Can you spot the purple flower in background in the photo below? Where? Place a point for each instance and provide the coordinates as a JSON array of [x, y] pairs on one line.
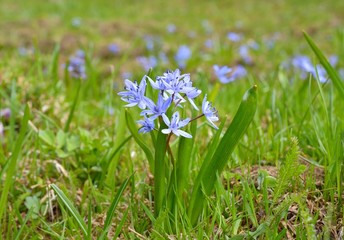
[[76, 22], [134, 94], [76, 66], [239, 71], [149, 40], [5, 113], [147, 125], [156, 110], [171, 28], [126, 75], [234, 37], [304, 64], [222, 73], [114, 48], [1, 129], [163, 58], [182, 56], [244, 52], [209, 112], [147, 62], [209, 43], [226, 74], [175, 124]]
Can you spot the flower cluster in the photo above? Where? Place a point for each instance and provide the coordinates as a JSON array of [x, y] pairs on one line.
[[306, 67], [76, 66], [174, 89], [226, 74]]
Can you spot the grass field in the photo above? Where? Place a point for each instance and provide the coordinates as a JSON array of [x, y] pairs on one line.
[[73, 165]]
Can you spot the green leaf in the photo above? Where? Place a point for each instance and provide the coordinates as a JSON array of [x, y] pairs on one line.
[[12, 162], [139, 139], [60, 139], [68, 204], [110, 213], [338, 83], [159, 170], [47, 136], [72, 109], [213, 166]]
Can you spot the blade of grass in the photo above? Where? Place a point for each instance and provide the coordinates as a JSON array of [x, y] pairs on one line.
[[139, 140], [212, 166], [159, 170], [13, 161], [111, 212], [71, 113], [338, 83], [66, 202]]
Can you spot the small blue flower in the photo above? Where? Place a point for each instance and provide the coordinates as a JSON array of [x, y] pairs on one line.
[[239, 71], [175, 124], [134, 94], [76, 66], [158, 109], [209, 43], [114, 49], [147, 125], [149, 40], [182, 56], [209, 112], [171, 28], [5, 113], [245, 54], [222, 73], [234, 37], [147, 62], [226, 74]]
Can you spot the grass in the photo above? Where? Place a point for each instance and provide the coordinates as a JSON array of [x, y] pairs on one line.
[[70, 142]]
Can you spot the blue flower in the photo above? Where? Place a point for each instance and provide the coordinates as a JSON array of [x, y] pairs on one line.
[[209, 112], [226, 74], [147, 62], [304, 64], [175, 124], [244, 54], [209, 43], [158, 109], [5, 113], [114, 48], [182, 56], [147, 125], [171, 28], [222, 73], [135, 93], [76, 66], [234, 37]]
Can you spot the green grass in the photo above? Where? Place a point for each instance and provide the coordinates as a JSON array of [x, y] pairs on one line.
[[284, 178]]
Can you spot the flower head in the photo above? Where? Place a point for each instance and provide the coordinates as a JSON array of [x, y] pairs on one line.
[[234, 37], [134, 94], [226, 74], [158, 109], [209, 112], [76, 66], [114, 48], [147, 62], [182, 56], [175, 124], [147, 125]]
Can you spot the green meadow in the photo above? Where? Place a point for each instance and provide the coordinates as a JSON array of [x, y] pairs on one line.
[[261, 158]]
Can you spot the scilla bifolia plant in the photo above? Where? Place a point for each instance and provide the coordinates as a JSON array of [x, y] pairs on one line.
[[164, 118]]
